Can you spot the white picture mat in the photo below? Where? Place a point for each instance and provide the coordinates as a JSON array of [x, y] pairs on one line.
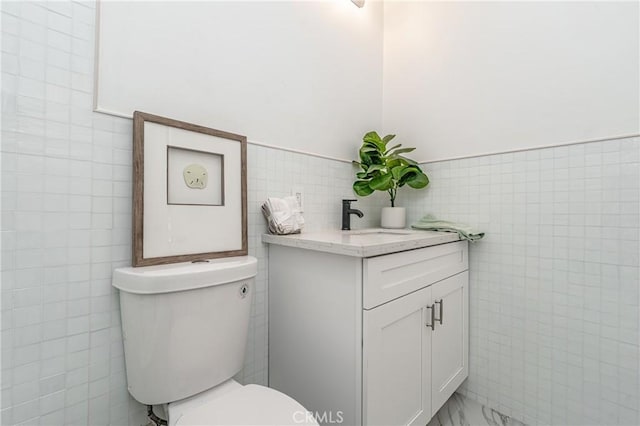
[[178, 192], [171, 230]]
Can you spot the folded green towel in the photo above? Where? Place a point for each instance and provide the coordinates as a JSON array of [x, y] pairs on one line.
[[465, 232]]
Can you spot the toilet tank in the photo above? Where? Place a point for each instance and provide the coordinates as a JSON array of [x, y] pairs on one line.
[[184, 325]]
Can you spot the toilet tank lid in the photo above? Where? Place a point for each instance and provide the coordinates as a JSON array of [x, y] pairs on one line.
[[184, 276]]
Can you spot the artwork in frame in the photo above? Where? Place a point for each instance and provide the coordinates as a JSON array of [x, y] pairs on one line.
[[189, 192], [194, 177]]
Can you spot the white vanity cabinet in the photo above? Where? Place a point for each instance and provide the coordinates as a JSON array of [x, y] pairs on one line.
[[411, 362], [379, 340]]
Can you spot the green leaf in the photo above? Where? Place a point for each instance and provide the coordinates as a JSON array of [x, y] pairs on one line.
[[373, 160], [387, 138], [368, 148], [393, 147], [419, 180], [374, 138], [371, 142], [362, 188], [408, 160], [408, 174], [374, 167], [382, 182], [397, 171], [370, 157], [408, 170], [362, 175], [395, 163], [401, 151]]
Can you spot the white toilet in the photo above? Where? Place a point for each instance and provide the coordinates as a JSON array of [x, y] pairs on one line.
[[185, 330]]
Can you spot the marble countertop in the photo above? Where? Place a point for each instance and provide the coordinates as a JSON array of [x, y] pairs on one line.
[[362, 242]]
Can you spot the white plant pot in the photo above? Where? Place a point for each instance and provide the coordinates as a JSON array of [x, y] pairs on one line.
[[393, 217]]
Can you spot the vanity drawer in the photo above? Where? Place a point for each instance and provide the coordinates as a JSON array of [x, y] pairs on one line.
[[393, 275]]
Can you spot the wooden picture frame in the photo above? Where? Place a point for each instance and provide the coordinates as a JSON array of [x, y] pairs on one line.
[[210, 221]]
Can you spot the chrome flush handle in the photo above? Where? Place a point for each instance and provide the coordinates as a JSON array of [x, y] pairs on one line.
[[433, 317], [439, 302]]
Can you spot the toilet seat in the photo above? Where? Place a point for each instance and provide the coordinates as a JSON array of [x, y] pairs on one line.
[[248, 405]]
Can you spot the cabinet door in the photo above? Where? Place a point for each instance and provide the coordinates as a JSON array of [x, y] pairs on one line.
[[450, 339], [396, 362]]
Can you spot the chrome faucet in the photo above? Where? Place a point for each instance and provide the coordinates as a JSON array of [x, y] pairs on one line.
[[347, 211]]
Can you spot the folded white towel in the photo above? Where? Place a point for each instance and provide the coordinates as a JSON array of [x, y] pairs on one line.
[[283, 215]]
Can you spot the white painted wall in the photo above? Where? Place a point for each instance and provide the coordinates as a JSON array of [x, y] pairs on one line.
[[300, 75], [469, 78]]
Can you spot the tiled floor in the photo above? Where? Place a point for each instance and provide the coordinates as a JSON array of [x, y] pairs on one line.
[[460, 411]]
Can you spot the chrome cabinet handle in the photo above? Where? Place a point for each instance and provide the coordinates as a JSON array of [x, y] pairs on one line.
[[439, 302], [433, 317]]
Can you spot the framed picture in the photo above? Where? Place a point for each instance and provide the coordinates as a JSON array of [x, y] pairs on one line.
[[189, 192]]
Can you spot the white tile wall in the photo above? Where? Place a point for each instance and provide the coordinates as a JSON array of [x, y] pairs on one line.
[[554, 292], [66, 214], [65, 224]]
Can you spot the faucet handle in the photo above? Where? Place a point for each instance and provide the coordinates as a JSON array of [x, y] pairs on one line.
[[347, 211]]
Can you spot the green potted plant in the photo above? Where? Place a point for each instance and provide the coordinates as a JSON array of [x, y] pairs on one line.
[[386, 169]]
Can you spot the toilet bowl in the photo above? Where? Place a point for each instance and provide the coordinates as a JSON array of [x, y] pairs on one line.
[[234, 404], [185, 329]]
